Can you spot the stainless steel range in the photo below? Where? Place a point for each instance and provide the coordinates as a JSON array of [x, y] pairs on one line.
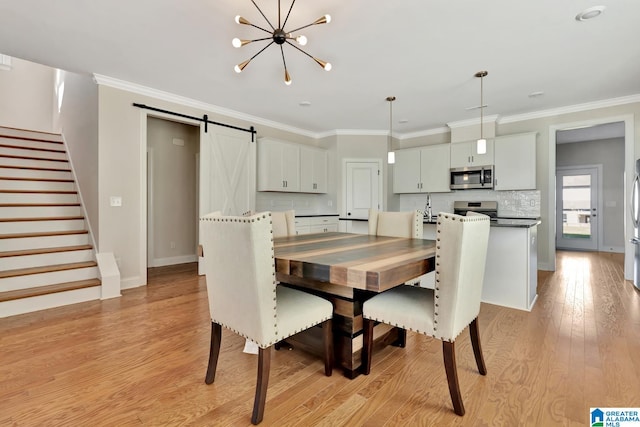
[[487, 208]]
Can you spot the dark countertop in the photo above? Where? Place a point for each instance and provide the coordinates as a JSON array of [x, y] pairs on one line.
[[501, 222], [315, 215]]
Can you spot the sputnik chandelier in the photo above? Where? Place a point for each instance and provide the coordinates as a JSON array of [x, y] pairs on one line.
[[279, 36]]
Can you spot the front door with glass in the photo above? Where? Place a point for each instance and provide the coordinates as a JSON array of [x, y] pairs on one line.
[[576, 208]]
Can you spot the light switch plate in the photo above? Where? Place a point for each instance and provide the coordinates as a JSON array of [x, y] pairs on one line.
[[116, 201]]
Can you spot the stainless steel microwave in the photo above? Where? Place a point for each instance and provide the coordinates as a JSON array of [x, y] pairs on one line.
[[472, 177]]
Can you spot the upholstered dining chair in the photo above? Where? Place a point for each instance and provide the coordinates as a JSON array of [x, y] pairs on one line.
[[243, 295], [443, 313], [397, 224], [284, 223]]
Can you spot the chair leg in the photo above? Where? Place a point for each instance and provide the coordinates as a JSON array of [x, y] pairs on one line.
[[264, 365], [449, 353], [477, 348], [328, 346], [402, 339], [214, 352], [367, 347]]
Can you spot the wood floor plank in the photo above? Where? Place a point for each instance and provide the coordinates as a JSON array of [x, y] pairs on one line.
[[140, 360]]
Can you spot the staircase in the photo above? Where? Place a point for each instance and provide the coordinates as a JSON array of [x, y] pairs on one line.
[[46, 256]]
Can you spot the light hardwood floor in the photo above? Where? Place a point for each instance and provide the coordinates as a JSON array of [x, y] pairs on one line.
[[141, 360]]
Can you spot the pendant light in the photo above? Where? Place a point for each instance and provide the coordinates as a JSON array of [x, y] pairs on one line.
[[391, 156], [481, 144]]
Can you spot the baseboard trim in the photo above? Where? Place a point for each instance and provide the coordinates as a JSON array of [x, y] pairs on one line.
[[161, 262]]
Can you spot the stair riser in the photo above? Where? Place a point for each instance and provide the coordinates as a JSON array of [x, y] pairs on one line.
[[30, 163], [39, 211], [43, 302], [22, 243], [43, 279], [40, 260], [9, 184], [35, 174], [31, 144], [38, 198], [23, 133], [41, 226], [10, 151]]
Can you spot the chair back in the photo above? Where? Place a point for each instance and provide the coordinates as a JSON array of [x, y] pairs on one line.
[[461, 251], [240, 274], [396, 224], [284, 223]]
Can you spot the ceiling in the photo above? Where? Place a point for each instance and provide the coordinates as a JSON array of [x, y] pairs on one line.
[[424, 52]]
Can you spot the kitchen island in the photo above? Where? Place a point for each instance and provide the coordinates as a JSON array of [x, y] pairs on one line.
[[511, 272]]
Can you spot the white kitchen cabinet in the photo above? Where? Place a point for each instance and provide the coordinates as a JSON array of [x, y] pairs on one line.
[[422, 170], [313, 170], [316, 224], [515, 162], [465, 154], [278, 166]]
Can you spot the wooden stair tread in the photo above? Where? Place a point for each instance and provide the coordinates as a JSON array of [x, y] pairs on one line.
[[33, 168], [13, 178], [21, 147], [42, 234], [9, 156], [35, 205], [38, 192], [41, 251], [46, 269], [49, 289], [42, 218]]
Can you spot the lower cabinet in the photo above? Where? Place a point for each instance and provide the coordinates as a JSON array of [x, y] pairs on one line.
[[316, 224]]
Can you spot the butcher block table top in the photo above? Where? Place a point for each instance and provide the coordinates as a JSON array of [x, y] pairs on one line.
[[359, 261]]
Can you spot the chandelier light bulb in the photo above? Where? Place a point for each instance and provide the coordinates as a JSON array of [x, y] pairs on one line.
[[237, 69], [327, 66], [327, 18], [238, 18], [302, 40], [236, 42]]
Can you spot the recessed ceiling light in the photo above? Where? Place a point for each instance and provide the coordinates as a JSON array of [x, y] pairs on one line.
[[536, 94], [304, 103], [590, 13]]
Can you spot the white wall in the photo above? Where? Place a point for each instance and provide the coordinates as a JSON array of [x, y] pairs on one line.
[[26, 96], [77, 120]]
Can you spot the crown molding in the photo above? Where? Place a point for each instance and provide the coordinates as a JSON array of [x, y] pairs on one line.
[[472, 122], [188, 102], [612, 102]]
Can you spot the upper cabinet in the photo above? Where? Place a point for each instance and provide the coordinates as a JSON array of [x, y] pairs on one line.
[[422, 170], [465, 154], [313, 170], [288, 167], [515, 162]]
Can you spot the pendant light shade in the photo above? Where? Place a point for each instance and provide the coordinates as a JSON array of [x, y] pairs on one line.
[[391, 156], [481, 144]]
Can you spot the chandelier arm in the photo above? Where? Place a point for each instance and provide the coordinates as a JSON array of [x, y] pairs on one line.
[[260, 51], [289, 43], [265, 18], [303, 27], [288, 13], [260, 28]]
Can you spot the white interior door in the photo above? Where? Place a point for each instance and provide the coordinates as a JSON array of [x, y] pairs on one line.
[[577, 208], [227, 172], [362, 188]]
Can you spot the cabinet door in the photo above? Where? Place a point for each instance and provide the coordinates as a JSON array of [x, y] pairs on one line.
[[434, 168], [406, 171], [278, 166], [515, 162], [464, 154], [313, 170], [460, 154]]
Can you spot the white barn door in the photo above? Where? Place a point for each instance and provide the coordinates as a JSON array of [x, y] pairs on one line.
[[227, 172]]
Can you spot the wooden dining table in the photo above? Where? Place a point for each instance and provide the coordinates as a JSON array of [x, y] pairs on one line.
[[347, 269]]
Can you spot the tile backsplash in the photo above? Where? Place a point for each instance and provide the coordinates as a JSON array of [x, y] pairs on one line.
[[511, 204]]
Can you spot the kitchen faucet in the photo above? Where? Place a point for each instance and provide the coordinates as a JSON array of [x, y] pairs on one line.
[[427, 208]]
